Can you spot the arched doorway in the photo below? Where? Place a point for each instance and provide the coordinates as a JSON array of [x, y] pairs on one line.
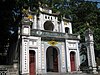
[[72, 61], [52, 59], [32, 62]]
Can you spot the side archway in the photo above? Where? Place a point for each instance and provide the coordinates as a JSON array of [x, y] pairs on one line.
[[32, 62], [72, 61]]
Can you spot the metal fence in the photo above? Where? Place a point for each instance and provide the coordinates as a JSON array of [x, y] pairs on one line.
[[8, 70], [3, 73], [3, 70]]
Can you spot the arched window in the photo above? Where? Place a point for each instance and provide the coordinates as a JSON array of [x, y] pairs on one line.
[[48, 25], [66, 29]]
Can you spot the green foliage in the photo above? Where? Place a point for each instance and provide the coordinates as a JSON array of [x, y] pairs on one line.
[[87, 12], [81, 13], [97, 38], [91, 16]]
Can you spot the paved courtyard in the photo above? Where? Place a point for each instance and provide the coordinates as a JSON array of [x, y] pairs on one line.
[[51, 73]]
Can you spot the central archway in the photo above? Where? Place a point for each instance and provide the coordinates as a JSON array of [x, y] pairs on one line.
[[52, 59]]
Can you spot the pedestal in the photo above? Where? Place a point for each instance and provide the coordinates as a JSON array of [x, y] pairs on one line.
[[95, 70]]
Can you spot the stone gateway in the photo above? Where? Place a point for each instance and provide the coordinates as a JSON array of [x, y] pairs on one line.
[[48, 45]]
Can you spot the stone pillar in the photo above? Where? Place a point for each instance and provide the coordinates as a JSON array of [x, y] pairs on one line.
[[70, 26], [38, 22], [16, 67], [68, 57], [24, 56], [62, 25], [39, 62], [25, 27], [15, 64], [78, 56], [35, 22], [90, 50], [43, 58], [63, 62], [24, 50]]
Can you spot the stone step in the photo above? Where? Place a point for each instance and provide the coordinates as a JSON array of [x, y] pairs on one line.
[[55, 73]]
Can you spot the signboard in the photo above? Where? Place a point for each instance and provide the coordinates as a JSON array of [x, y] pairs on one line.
[[47, 34], [44, 33]]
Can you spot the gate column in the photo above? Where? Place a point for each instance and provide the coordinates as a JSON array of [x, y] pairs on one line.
[[90, 50]]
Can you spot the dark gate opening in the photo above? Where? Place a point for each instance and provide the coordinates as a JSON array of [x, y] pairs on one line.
[[52, 59], [32, 62], [72, 61]]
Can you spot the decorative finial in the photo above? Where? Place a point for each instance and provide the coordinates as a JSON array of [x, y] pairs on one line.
[[87, 23]]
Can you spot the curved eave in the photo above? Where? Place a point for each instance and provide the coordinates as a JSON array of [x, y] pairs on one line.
[[53, 14]]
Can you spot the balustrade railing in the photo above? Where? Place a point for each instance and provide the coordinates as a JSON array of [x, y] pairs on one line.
[[8, 70]]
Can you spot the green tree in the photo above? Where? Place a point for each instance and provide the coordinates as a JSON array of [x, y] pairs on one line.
[[87, 12], [84, 14], [79, 11]]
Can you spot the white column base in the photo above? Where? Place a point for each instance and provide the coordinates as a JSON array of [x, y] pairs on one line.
[[25, 74], [95, 71], [98, 67]]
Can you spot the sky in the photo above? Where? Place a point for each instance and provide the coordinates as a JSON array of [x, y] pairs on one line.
[[95, 1]]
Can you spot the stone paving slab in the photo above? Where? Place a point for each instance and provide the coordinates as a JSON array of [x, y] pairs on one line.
[[51, 73], [72, 73]]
